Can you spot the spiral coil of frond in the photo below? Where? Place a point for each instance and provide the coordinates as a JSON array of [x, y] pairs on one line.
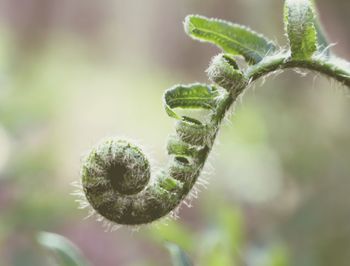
[[116, 175]]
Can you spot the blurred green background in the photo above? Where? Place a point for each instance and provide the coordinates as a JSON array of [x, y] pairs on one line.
[[73, 72]]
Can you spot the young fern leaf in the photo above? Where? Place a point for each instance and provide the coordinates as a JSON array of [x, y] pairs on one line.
[[231, 38], [191, 96], [299, 17], [224, 71]]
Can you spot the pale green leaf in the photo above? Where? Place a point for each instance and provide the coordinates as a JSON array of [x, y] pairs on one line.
[[191, 96], [323, 42], [231, 38], [299, 18], [65, 251], [178, 256]]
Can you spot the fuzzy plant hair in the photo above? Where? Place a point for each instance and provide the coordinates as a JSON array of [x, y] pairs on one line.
[[116, 177]]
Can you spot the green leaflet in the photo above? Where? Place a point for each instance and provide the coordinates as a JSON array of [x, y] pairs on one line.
[[224, 71], [178, 147], [194, 133], [299, 20], [192, 96], [231, 38], [170, 183]]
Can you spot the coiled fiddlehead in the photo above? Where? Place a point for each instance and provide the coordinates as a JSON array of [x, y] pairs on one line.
[[116, 175]]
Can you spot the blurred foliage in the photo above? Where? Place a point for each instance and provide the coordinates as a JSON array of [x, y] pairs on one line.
[[69, 72], [67, 253], [179, 257]]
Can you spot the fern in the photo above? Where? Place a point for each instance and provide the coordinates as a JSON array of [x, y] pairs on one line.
[[116, 176]]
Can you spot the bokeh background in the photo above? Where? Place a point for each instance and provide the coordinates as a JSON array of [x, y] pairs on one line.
[[73, 72]]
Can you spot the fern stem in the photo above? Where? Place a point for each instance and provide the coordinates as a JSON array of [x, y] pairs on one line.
[[331, 67]]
